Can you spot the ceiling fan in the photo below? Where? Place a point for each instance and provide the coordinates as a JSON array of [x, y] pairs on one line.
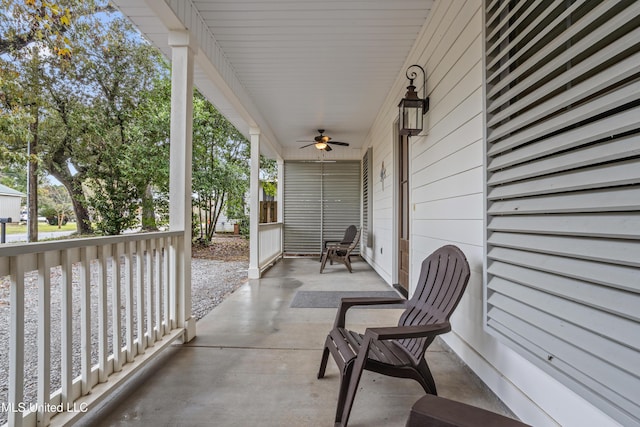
[[321, 142]]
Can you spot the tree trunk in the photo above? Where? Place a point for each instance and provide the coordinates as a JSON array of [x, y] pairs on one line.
[[74, 187], [148, 211], [83, 220], [32, 181], [219, 205]]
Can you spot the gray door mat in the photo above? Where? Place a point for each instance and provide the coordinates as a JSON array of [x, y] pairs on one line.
[[331, 299]]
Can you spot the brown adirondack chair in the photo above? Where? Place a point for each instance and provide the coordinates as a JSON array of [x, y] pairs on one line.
[[349, 236], [340, 252], [398, 351]]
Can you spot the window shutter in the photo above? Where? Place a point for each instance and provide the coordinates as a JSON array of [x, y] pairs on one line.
[[367, 197], [563, 192], [321, 200]]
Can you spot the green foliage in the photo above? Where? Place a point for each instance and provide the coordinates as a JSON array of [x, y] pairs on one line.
[[14, 116], [115, 205], [220, 165], [55, 204], [40, 93], [28, 21], [269, 175], [244, 226], [113, 197], [96, 117], [14, 176]]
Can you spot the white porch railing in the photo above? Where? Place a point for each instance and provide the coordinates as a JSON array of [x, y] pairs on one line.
[[270, 248], [118, 299]]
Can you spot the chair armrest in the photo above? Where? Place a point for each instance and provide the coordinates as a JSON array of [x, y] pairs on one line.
[[399, 332], [326, 242], [336, 245], [347, 303]]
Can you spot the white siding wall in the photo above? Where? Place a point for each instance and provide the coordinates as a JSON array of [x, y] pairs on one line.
[[10, 207], [447, 207]]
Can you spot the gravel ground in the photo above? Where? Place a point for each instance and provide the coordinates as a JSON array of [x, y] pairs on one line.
[[216, 271], [212, 281]]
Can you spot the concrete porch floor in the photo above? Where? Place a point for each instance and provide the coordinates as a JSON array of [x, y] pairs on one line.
[[255, 359]]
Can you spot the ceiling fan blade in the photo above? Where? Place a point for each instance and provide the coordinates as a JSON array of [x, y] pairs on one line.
[[327, 148], [345, 144], [308, 145]]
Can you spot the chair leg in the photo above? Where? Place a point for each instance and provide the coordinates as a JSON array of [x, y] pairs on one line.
[[324, 251], [323, 362], [348, 264], [324, 260], [345, 380], [425, 378], [349, 386]]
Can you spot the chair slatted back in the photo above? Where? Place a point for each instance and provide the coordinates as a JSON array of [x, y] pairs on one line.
[[352, 244], [349, 235], [355, 240], [443, 278]]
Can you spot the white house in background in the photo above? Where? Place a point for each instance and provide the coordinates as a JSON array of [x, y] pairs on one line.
[[10, 203], [227, 225], [224, 224]]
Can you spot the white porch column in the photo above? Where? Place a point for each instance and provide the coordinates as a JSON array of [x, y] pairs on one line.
[[254, 206], [182, 49], [280, 202], [280, 193]]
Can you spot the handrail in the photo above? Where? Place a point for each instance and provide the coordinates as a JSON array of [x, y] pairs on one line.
[[131, 278], [11, 249], [270, 243]]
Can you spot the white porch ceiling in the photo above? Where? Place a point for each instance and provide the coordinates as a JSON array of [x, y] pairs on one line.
[[294, 66]]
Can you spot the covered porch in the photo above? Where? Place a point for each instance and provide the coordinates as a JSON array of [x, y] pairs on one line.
[[255, 360], [528, 161]]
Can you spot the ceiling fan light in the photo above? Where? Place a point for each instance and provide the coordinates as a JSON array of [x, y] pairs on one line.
[[321, 145]]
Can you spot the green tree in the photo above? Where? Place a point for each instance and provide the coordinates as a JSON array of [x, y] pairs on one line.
[[24, 22], [95, 115], [122, 71], [21, 111], [14, 116], [13, 175], [98, 146], [220, 165], [30, 32], [269, 175], [55, 204], [28, 21], [149, 156]]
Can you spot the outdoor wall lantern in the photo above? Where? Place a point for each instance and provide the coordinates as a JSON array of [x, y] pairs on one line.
[[412, 108]]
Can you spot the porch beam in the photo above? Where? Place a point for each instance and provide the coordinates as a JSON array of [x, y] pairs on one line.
[[182, 52], [254, 206]]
